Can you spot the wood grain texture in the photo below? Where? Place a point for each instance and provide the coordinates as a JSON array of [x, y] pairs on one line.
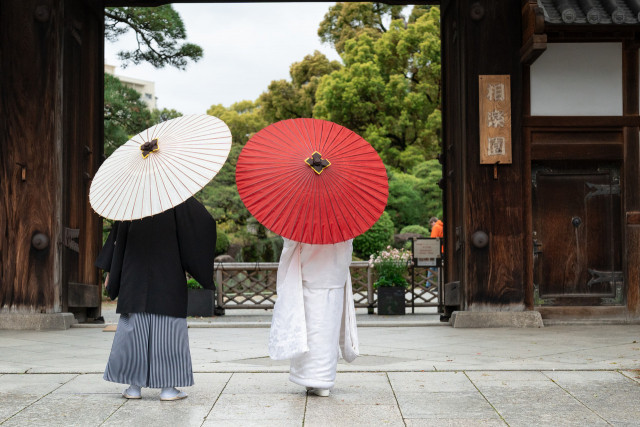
[[633, 218], [51, 142], [571, 313], [633, 269], [631, 194], [581, 121], [632, 169], [30, 141], [630, 81], [82, 151], [452, 98], [528, 220], [591, 144], [494, 275], [571, 249]]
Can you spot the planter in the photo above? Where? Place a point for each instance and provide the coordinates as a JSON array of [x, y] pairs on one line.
[[201, 302], [391, 300]]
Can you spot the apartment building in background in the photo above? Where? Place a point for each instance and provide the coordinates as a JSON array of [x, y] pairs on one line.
[[146, 88]]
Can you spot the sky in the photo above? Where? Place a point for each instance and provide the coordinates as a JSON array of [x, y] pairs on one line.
[[246, 46]]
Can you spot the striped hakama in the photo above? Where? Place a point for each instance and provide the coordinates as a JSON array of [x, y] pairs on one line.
[[150, 350]]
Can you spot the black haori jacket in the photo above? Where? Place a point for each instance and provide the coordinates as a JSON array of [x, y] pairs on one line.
[[147, 259]]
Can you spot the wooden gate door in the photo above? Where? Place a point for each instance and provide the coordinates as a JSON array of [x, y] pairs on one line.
[[577, 236], [82, 151]]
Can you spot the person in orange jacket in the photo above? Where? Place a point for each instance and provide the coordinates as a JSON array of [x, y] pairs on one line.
[[437, 227]]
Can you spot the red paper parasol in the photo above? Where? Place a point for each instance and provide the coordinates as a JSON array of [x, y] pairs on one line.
[[312, 181]]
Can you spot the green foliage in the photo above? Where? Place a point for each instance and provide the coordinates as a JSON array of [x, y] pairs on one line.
[[376, 238], [222, 243], [416, 229], [124, 113], [193, 284], [389, 89], [348, 20], [262, 250], [220, 196], [159, 116], [413, 199], [431, 173], [295, 99], [391, 266], [159, 32]]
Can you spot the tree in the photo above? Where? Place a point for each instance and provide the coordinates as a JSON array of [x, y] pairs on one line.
[[376, 238], [159, 116], [295, 99], [415, 197], [125, 114], [389, 89], [221, 196], [347, 20], [159, 32]]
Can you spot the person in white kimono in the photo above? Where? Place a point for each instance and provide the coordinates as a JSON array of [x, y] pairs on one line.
[[314, 315]]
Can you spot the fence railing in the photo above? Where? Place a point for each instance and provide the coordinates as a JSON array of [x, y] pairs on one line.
[[253, 285]]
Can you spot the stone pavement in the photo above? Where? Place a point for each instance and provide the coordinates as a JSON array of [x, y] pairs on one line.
[[420, 375]]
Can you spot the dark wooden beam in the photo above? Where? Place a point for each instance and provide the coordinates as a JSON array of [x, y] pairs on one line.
[[534, 41], [533, 48], [632, 212], [630, 80], [588, 144], [581, 121], [156, 3], [568, 33], [631, 180]]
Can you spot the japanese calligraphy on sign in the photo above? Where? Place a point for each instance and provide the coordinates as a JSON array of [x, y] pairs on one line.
[[495, 119]]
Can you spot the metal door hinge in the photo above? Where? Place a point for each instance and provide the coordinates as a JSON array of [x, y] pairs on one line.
[[68, 236]]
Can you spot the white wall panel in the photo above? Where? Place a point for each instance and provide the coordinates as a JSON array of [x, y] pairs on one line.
[[577, 79]]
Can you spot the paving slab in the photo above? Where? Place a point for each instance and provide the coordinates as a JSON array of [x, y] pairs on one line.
[[539, 401], [259, 406], [454, 422], [611, 395], [241, 422], [433, 382], [445, 405], [149, 410], [414, 376], [19, 392], [321, 412], [64, 410]]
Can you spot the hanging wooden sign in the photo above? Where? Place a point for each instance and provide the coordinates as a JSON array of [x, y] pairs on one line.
[[495, 119]]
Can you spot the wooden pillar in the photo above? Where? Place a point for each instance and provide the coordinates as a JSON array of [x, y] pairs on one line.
[[83, 96], [30, 156], [493, 202], [51, 84], [631, 179]]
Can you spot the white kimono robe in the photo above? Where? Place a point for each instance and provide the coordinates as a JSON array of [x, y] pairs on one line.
[[304, 271]]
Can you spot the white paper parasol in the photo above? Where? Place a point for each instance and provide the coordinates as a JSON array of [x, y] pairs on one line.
[[160, 167]]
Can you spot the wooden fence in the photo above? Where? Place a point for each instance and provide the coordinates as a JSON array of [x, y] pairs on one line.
[[253, 285]]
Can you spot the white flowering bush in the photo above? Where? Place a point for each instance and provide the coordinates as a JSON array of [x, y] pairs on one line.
[[391, 265]]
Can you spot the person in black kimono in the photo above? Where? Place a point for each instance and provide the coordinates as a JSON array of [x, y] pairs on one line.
[[146, 260]]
